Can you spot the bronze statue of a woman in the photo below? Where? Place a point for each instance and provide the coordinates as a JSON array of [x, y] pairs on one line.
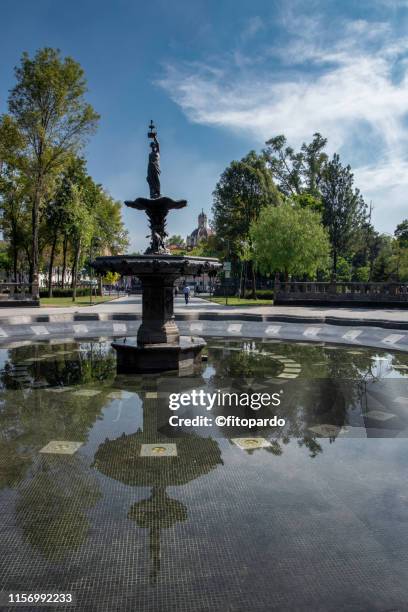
[[153, 169]]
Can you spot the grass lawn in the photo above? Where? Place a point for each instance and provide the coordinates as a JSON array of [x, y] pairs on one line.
[[80, 301], [235, 301]]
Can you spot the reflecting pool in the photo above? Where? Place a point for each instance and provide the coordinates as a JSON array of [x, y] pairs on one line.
[[102, 498]]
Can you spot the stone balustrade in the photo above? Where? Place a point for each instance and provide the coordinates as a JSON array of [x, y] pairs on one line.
[[19, 294], [341, 293]]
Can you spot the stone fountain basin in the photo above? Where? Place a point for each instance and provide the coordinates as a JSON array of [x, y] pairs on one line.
[[171, 265]]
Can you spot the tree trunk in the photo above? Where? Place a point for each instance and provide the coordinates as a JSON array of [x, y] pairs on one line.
[[35, 213], [64, 262], [15, 260], [240, 279], [253, 281], [244, 280], [28, 256], [75, 273], [14, 246], [52, 255], [334, 275]]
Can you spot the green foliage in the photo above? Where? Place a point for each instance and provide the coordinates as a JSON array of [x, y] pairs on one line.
[[361, 274], [48, 107], [344, 210], [66, 292], [176, 239], [289, 239], [401, 233], [344, 270], [384, 267], [402, 264], [244, 188], [111, 278], [306, 200], [5, 263], [48, 122], [211, 247], [296, 173]]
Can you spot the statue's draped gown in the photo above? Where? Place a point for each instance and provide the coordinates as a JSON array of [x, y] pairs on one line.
[[153, 173]]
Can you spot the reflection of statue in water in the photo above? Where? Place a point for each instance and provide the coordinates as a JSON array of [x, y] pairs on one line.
[[156, 513], [153, 169], [121, 459]]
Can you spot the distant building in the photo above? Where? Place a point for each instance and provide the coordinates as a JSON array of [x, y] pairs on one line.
[[202, 232]]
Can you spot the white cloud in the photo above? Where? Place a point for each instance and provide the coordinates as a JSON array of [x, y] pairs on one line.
[[343, 87]]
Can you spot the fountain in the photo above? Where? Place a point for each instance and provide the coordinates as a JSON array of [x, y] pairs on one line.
[[158, 346]]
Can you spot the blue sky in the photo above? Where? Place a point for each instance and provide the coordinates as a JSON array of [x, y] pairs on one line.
[[221, 77]]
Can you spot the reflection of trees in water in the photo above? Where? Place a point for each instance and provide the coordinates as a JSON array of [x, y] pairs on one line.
[[255, 358], [28, 423], [65, 364], [331, 384], [52, 503], [14, 463], [246, 362], [30, 418], [400, 363], [51, 509]]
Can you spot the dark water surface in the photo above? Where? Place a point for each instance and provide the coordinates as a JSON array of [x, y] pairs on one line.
[[317, 519]]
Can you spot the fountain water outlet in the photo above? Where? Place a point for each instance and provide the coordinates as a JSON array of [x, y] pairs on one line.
[[158, 346]]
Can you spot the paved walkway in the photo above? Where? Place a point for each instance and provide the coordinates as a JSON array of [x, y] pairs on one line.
[[199, 307]]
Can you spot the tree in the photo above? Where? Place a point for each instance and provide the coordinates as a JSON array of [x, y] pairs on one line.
[[384, 267], [175, 240], [111, 278], [51, 120], [101, 215], [344, 209], [5, 263], [291, 240], [209, 247], [296, 173], [110, 235], [14, 218], [401, 233], [403, 265], [58, 212], [244, 189], [81, 231]]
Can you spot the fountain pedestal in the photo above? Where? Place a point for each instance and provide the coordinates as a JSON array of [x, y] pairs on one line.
[[158, 346], [158, 324]]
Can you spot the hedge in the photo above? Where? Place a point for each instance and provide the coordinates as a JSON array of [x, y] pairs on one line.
[[58, 292]]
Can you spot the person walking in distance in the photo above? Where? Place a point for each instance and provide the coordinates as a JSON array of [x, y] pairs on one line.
[[186, 292]]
